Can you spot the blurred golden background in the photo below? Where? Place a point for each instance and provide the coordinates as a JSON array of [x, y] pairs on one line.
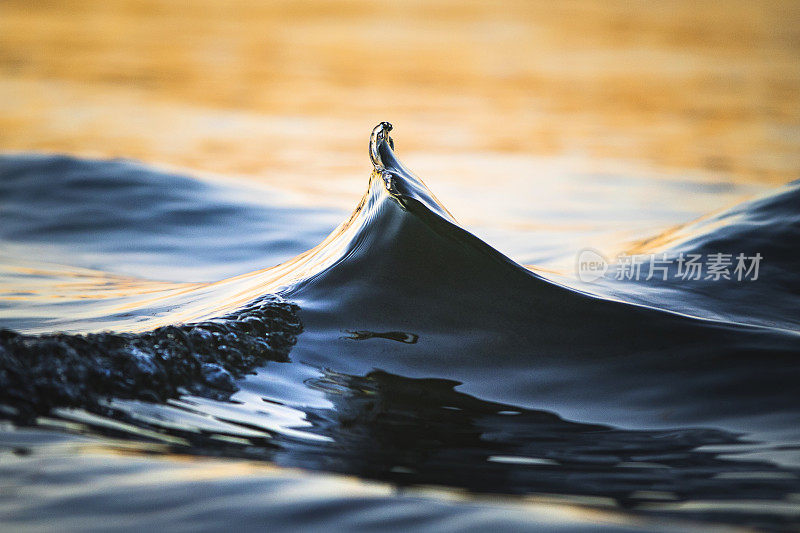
[[288, 91]]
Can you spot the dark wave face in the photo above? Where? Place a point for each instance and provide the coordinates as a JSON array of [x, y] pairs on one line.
[[767, 226], [402, 349]]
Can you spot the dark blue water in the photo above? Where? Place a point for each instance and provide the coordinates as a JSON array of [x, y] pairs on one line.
[[401, 350]]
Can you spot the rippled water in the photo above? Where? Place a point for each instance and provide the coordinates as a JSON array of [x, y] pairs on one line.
[[460, 388]]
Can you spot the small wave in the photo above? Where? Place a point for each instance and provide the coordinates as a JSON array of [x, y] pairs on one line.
[[426, 356]]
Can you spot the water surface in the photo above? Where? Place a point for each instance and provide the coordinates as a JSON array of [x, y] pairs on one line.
[[400, 349]]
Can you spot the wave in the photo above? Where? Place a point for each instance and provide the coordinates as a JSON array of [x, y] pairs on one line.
[[767, 226], [405, 349], [510, 335]]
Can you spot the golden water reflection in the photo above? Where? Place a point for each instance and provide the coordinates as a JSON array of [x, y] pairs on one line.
[[244, 86]]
